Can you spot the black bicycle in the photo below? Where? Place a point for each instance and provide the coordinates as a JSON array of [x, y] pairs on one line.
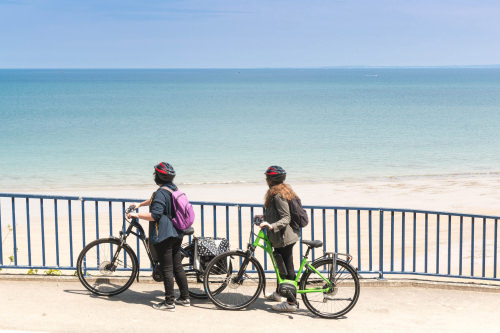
[[109, 266]]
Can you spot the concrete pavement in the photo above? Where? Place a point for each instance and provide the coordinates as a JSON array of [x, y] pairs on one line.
[[63, 305]]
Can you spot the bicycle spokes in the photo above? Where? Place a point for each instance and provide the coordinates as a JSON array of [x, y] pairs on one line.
[[331, 297], [230, 283]]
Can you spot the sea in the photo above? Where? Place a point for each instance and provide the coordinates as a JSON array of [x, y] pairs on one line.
[[65, 128]]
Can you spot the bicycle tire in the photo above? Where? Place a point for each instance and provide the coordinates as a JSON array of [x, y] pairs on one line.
[[222, 287], [99, 275], [194, 276], [340, 299]]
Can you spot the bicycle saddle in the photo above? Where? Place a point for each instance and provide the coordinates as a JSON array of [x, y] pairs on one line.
[[312, 243], [189, 231]]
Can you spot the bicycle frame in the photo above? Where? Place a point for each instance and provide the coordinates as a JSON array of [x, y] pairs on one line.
[[134, 223], [139, 234], [262, 236]]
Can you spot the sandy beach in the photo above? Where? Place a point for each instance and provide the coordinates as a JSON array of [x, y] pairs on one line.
[[458, 194]]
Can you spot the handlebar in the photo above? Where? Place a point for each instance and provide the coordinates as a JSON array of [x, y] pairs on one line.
[[130, 209], [257, 220]]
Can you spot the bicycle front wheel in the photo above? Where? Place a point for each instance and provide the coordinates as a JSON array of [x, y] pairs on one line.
[[233, 281], [105, 268], [335, 300], [194, 276]]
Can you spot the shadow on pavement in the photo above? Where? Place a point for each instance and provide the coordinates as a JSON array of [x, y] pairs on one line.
[[148, 298]]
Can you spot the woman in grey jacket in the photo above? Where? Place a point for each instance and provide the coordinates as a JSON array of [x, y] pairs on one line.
[[281, 234]]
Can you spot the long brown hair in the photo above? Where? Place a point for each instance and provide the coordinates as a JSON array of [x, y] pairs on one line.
[[284, 189]]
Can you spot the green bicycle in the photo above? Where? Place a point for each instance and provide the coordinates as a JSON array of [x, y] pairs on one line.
[[329, 286]]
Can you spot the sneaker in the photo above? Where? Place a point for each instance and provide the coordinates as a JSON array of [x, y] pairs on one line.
[[274, 296], [183, 301], [164, 306], [284, 307]]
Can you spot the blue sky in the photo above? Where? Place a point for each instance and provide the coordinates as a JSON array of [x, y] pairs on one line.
[[247, 34]]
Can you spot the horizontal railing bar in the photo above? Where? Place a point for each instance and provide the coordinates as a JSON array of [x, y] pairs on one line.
[[431, 274], [339, 235]]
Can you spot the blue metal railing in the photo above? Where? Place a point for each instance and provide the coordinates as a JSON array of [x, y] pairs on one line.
[[48, 232]]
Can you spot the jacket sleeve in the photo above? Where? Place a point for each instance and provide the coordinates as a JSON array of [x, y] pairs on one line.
[[158, 205], [283, 211]]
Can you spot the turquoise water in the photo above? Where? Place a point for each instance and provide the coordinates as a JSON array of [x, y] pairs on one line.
[[63, 128]]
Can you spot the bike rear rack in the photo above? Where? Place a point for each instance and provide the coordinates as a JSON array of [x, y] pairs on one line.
[[334, 256]]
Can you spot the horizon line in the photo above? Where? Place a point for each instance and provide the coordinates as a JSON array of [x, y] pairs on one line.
[[250, 68]]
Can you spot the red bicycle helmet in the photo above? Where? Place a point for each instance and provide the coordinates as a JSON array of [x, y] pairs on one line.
[[164, 172], [275, 174]]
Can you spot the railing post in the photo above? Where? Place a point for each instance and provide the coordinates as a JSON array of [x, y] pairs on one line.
[[414, 241], [484, 246], [392, 241], [14, 234], [426, 240], [324, 230], [43, 231], [449, 244], [437, 244], [239, 227], [347, 230], [227, 223], [336, 232], [312, 231], [370, 239], [82, 202], [359, 239], [381, 245], [461, 245], [202, 211], [472, 249], [403, 243], [1, 238], [57, 232], [495, 249], [28, 229], [110, 208], [96, 221], [70, 233], [215, 220]]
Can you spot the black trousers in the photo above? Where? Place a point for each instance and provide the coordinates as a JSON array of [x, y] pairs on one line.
[[286, 253], [170, 258]]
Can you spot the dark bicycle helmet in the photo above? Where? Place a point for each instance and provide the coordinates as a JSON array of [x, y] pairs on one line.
[[275, 174], [164, 173]]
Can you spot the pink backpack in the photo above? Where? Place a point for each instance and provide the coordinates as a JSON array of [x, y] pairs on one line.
[[184, 213]]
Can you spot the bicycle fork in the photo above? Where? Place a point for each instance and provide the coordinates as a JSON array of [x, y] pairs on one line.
[[239, 276], [123, 239]]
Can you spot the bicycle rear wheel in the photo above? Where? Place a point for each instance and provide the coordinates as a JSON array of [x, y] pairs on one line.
[[194, 276], [100, 274], [230, 282], [337, 300]]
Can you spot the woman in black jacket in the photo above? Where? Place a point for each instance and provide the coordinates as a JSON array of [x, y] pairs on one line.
[[166, 239]]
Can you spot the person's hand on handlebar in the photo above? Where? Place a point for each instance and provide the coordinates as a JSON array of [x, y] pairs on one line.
[[265, 225], [130, 215], [257, 219], [135, 205]]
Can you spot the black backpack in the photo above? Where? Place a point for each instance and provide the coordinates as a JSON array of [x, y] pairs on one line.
[[298, 214]]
